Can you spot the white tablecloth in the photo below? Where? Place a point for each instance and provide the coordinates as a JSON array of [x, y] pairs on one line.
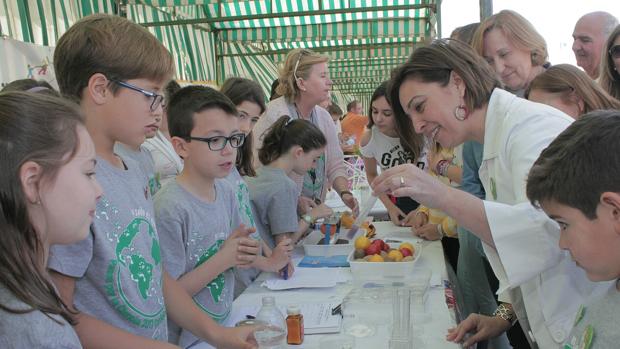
[[436, 322]]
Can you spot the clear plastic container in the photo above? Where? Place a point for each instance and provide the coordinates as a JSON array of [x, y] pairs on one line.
[[272, 334]]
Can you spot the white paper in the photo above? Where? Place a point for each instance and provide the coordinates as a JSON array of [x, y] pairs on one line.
[[305, 278]]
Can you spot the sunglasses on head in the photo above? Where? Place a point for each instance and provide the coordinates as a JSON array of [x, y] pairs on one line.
[[614, 51]]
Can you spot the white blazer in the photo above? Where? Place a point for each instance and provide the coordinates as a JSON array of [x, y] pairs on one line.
[[544, 284]]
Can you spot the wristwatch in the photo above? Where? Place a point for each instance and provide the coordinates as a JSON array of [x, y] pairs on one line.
[[505, 312], [308, 219]]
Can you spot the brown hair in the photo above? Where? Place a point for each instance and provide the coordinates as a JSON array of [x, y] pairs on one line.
[[304, 59], [43, 129], [610, 77], [465, 33], [579, 165], [286, 133], [240, 90], [433, 64], [566, 79], [31, 85], [110, 45], [188, 101], [518, 30]]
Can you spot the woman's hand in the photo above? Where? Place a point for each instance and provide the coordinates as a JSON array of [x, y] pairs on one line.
[[409, 180], [482, 327]]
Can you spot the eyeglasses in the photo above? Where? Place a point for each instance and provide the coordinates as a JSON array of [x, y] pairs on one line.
[[218, 143], [614, 52], [157, 98]]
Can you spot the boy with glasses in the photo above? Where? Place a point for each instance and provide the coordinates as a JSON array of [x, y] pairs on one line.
[[197, 214], [115, 70]]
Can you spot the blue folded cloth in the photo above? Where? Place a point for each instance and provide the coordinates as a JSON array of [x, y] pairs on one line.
[[324, 262]]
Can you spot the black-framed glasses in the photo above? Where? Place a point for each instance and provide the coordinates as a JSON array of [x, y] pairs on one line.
[[157, 99], [614, 51], [218, 143]]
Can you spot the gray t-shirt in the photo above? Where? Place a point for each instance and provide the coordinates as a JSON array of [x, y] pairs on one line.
[[33, 329], [144, 158], [274, 196], [597, 324], [192, 231], [118, 267], [243, 277]]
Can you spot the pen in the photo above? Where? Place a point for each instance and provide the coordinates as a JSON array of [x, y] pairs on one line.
[[250, 317], [284, 272]]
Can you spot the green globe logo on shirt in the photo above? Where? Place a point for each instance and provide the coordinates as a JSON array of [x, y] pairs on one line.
[[130, 283], [216, 286]]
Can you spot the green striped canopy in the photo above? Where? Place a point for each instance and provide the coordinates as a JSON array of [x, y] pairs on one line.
[[212, 40]]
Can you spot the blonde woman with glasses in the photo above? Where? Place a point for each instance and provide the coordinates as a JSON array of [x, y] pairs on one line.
[[304, 83]]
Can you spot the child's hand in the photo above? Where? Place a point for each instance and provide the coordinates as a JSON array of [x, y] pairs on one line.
[[239, 249], [241, 337], [290, 270], [427, 232], [321, 211], [396, 214], [281, 254], [420, 219], [305, 204]]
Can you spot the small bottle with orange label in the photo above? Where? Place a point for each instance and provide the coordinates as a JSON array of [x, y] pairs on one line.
[[295, 325]]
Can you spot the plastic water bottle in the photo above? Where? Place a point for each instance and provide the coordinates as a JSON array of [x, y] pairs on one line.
[[272, 334]]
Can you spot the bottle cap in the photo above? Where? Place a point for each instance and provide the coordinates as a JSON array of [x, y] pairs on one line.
[[293, 310], [268, 300]]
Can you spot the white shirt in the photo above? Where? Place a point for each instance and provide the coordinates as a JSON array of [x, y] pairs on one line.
[[527, 259], [168, 164]]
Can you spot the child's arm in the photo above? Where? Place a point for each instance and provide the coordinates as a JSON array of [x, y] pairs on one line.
[[396, 215], [94, 333], [274, 260], [238, 250], [183, 311]]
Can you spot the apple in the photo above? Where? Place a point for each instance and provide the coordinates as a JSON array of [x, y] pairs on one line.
[[373, 249], [406, 252]]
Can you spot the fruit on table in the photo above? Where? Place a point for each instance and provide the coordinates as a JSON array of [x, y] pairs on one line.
[[359, 253], [362, 242], [346, 220], [395, 255], [376, 258], [406, 252], [407, 259], [373, 249], [407, 245]]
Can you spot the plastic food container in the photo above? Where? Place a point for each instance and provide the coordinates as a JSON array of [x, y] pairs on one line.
[[313, 248], [385, 270]]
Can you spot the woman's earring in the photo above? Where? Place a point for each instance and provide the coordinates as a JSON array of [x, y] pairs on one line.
[[460, 113]]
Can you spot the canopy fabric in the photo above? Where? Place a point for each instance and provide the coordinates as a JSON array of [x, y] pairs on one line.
[[212, 40]]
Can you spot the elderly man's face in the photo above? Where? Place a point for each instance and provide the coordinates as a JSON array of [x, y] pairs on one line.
[[588, 43]]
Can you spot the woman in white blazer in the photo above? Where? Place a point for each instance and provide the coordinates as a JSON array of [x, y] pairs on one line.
[[452, 95]]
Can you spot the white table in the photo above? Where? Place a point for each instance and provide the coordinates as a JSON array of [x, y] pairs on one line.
[[435, 326]]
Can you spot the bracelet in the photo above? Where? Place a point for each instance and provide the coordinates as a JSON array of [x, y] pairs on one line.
[[505, 312], [442, 168], [345, 192]]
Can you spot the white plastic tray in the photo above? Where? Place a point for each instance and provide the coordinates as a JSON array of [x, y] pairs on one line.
[[385, 270]]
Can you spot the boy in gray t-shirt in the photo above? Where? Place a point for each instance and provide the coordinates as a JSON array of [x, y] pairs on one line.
[[197, 214], [118, 267], [192, 231], [143, 157]]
